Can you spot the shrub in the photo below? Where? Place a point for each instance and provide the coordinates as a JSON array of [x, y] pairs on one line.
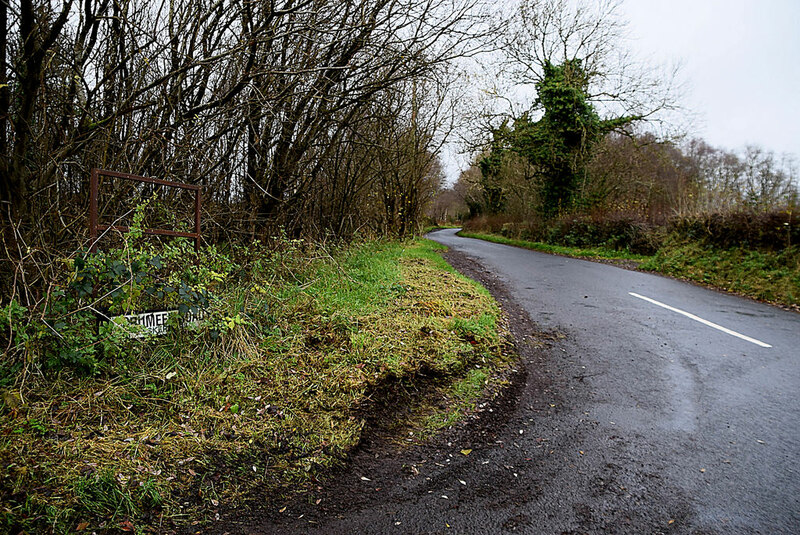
[[618, 232], [70, 326], [772, 231], [621, 233]]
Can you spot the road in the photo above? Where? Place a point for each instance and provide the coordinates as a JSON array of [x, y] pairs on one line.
[[636, 418]]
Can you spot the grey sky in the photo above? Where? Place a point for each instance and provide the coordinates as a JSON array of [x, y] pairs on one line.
[[741, 68], [740, 61]]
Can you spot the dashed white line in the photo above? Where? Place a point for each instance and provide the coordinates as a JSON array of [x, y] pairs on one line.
[[701, 320]]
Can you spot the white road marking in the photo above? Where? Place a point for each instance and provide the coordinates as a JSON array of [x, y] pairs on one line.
[[701, 320]]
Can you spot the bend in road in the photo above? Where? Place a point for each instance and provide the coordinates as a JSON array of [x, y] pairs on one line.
[[635, 418], [714, 416]]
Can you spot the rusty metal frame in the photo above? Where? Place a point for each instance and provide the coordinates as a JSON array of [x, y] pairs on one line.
[[95, 227]]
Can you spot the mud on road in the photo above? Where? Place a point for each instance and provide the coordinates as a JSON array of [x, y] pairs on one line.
[[528, 461]]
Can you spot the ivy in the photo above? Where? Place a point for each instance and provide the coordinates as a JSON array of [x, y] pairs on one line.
[[136, 277], [558, 145]]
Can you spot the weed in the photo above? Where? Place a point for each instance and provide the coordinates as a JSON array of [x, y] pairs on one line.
[[101, 495]]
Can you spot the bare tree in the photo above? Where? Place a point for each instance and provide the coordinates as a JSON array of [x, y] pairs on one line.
[[267, 104], [556, 32]]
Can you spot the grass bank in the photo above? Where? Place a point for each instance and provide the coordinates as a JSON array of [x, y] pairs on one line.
[[302, 347], [772, 276]]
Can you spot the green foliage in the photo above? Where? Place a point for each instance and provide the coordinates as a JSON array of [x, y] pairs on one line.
[[558, 145], [463, 392], [494, 195], [597, 252], [473, 329], [66, 328], [371, 280], [615, 233], [104, 495], [770, 231], [767, 275]]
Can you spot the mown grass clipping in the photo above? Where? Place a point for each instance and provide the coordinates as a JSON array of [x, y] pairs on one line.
[[177, 427]]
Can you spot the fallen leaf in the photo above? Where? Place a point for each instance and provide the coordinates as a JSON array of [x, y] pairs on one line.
[[126, 526], [192, 472], [82, 526], [466, 452]]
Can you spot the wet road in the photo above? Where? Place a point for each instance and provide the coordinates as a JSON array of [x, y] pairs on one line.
[[656, 407], [715, 417]]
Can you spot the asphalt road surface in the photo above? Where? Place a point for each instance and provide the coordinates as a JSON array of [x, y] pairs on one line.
[[656, 407]]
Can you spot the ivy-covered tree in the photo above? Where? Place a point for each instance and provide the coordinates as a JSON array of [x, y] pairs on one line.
[[494, 195], [574, 54], [559, 144]]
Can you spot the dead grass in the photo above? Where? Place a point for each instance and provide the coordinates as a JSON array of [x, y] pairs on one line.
[[180, 426]]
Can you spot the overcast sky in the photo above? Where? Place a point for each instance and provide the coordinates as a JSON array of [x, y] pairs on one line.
[[741, 63], [740, 67]]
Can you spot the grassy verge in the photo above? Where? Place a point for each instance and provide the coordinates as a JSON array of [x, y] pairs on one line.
[[768, 276], [599, 253], [176, 427]]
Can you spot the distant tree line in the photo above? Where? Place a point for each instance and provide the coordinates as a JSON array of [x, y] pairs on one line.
[[637, 175]]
